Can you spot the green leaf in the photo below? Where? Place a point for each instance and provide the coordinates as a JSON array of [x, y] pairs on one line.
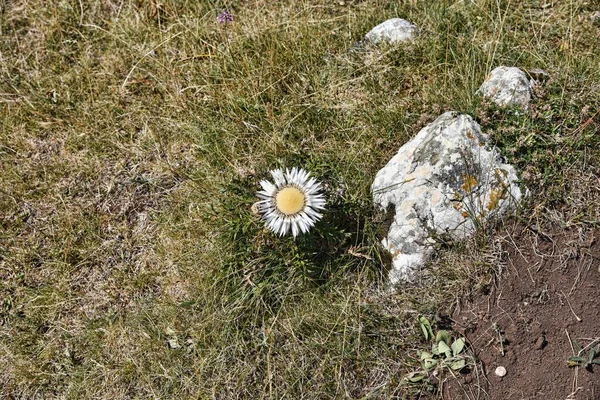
[[444, 348], [442, 336], [425, 355], [458, 346], [576, 346], [415, 377], [429, 364], [592, 355], [426, 328], [187, 304], [457, 364]]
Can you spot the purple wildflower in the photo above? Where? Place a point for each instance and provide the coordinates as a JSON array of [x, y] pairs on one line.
[[224, 17]]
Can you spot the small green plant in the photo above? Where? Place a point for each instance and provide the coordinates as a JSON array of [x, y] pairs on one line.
[[445, 353], [580, 359]]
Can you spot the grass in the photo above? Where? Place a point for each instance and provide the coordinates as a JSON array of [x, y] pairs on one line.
[[132, 138]]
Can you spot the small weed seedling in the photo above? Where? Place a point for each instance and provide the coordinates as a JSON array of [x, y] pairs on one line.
[[581, 360], [445, 353]]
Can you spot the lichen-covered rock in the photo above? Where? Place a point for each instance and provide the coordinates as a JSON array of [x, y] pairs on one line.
[[393, 31], [507, 86], [445, 181]]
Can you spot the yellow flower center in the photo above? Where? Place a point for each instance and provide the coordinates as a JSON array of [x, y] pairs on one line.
[[289, 200]]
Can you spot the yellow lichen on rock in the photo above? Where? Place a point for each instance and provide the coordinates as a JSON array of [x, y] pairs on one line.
[[469, 182], [495, 196]]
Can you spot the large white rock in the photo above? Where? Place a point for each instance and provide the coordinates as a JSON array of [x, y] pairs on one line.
[[445, 181], [393, 31], [507, 86]]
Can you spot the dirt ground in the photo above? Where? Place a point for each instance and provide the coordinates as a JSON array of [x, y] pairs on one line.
[[546, 295]]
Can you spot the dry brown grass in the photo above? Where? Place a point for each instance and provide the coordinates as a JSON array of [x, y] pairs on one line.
[[132, 135]]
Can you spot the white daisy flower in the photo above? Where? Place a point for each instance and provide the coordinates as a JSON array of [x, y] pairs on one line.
[[292, 202]]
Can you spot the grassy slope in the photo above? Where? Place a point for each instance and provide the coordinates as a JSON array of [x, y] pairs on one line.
[[132, 137]]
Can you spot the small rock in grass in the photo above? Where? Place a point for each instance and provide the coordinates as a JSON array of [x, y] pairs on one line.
[[393, 30], [507, 86], [444, 182], [538, 74], [500, 371]]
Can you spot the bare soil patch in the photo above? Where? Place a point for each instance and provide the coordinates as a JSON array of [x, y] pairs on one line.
[[546, 294]]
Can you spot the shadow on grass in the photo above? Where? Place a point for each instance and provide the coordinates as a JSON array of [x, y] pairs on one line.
[[263, 268]]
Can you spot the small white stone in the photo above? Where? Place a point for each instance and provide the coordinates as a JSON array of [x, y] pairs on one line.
[[393, 31], [507, 86], [500, 371]]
